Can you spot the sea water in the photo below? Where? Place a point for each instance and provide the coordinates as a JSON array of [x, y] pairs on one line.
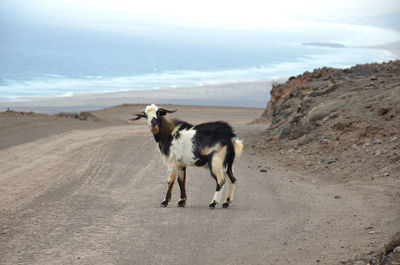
[[54, 61]]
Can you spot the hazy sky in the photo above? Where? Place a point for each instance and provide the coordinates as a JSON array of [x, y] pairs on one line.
[[208, 13]]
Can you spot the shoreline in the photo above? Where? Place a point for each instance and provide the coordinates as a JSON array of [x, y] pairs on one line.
[[252, 94]]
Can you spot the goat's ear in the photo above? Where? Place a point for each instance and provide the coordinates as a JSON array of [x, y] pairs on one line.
[[163, 112], [138, 116]]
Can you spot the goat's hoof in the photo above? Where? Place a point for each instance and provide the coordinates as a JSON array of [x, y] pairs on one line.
[[181, 203], [164, 204], [212, 205], [225, 205]]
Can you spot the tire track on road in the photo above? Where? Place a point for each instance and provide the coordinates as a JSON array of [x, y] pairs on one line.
[[79, 197], [28, 170]]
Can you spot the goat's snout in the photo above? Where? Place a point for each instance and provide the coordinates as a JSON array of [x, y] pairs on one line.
[[154, 126], [153, 122]]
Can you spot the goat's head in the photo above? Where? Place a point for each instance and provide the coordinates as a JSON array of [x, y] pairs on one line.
[[152, 114]]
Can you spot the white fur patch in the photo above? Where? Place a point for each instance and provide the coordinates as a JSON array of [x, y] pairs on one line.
[[151, 112], [182, 148], [218, 195]]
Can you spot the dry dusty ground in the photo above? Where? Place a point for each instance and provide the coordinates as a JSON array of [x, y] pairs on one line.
[[83, 192]]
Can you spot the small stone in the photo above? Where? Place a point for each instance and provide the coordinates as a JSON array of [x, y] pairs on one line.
[[337, 197], [331, 161], [366, 144], [386, 174], [263, 170], [377, 141], [396, 250], [358, 262], [333, 115], [373, 77]]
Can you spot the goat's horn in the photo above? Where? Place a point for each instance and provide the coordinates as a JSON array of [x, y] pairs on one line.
[[167, 111], [138, 116]]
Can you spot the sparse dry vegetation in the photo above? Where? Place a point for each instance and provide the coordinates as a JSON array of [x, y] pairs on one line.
[[84, 115]]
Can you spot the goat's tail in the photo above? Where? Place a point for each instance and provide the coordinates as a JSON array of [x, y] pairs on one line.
[[237, 147]]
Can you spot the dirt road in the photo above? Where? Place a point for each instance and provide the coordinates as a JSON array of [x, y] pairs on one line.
[[92, 196]]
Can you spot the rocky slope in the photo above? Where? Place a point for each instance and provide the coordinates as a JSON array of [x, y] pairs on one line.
[[341, 125], [339, 117]]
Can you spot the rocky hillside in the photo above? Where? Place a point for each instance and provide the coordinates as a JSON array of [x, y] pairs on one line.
[[346, 118], [340, 125]]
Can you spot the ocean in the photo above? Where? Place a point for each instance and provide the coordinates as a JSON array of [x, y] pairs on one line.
[[44, 60]]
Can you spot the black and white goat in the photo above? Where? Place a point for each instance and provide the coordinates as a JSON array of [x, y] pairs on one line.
[[212, 145]]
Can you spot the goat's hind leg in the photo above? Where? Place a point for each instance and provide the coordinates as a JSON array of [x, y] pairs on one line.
[[172, 175], [182, 182], [217, 171], [218, 175], [231, 188], [217, 195]]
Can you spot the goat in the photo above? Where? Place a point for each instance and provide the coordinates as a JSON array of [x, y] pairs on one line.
[[212, 145]]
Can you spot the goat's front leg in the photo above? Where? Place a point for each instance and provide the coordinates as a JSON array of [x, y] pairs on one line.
[[172, 175], [182, 182]]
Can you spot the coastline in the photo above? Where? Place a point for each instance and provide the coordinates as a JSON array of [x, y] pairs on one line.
[[251, 94]]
